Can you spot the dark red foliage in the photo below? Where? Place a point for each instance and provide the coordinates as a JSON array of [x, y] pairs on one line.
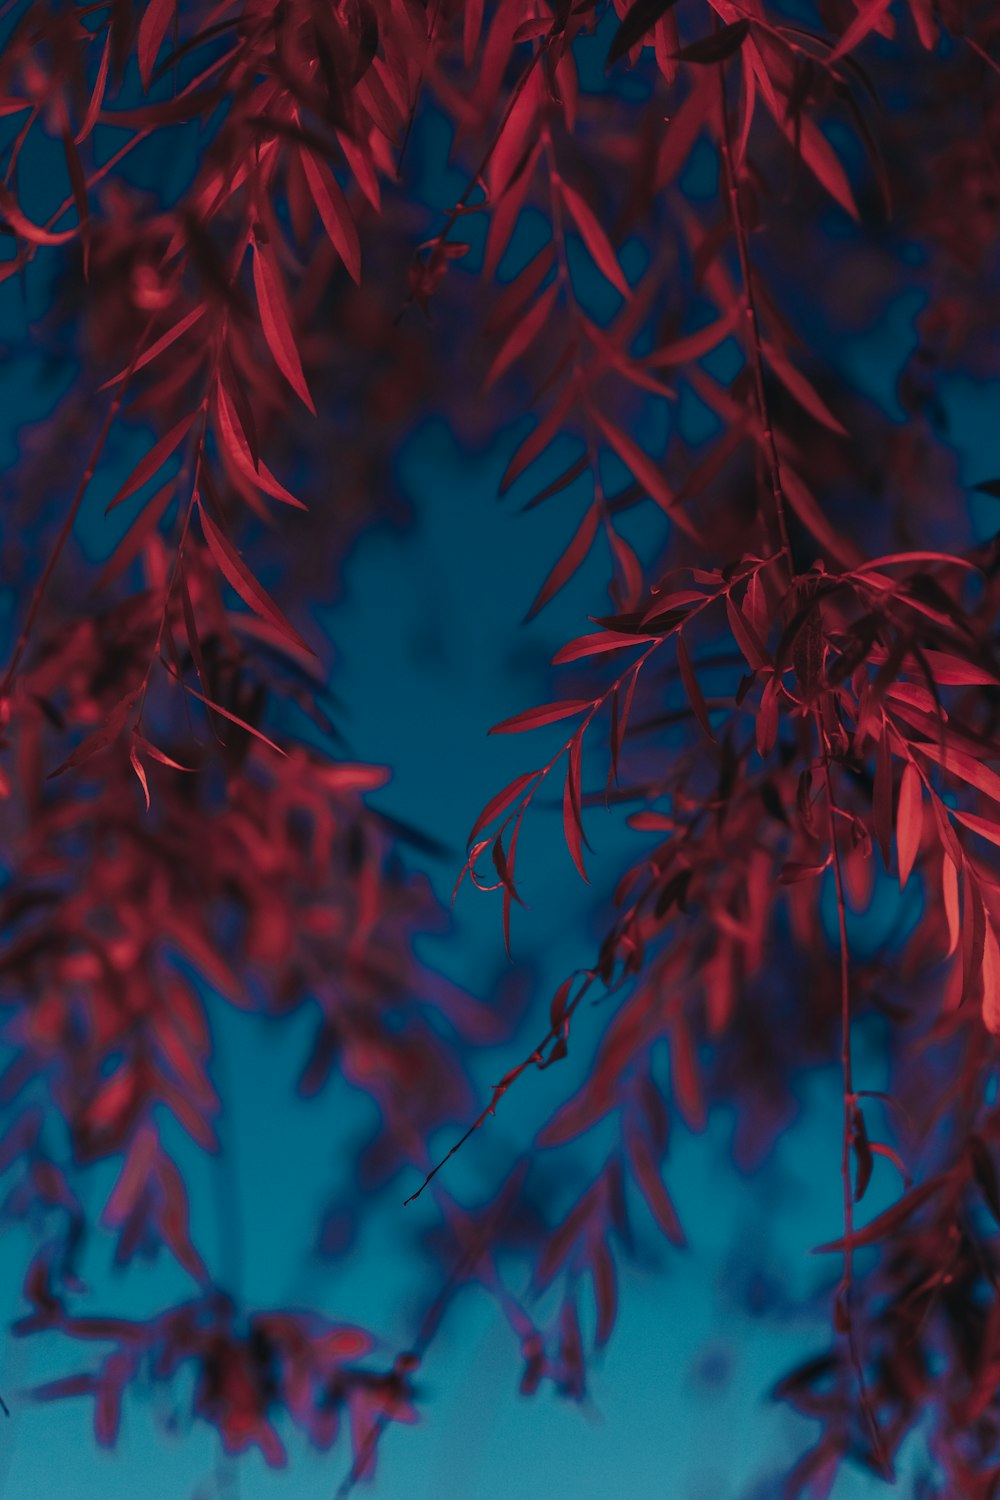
[[796, 689]]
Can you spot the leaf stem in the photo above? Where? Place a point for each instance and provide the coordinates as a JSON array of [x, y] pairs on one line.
[[754, 347], [844, 1297]]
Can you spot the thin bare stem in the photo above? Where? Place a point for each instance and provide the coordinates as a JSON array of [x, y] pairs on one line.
[[426, 1333], [754, 346], [844, 1298]]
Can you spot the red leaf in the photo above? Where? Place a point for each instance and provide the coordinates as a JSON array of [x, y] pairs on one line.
[[504, 871], [838, 548], [234, 719], [794, 871], [862, 1152], [647, 1175], [236, 573], [646, 472], [885, 1222], [557, 1006], [694, 345], [973, 938], [162, 343], [230, 377], [652, 822], [502, 801], [539, 437], [572, 818], [523, 334], [97, 97], [108, 1406], [546, 713], [519, 292], [692, 688], [173, 1220], [605, 1293], [640, 20], [746, 637], [959, 764], [867, 19], [334, 212], [139, 770], [191, 624], [949, 897], [802, 389], [949, 670], [820, 157], [569, 562], [594, 238], [100, 738], [157, 754], [152, 30], [882, 797], [670, 604], [136, 537], [33, 233], [472, 22], [69, 1385], [78, 182], [112, 1101], [913, 560], [275, 320], [620, 716], [684, 1075], [991, 979], [909, 821], [628, 587], [152, 463], [717, 47], [600, 643], [985, 827], [234, 443]]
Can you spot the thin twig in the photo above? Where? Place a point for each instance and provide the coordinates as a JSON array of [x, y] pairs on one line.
[[754, 346], [429, 1325], [845, 1290]]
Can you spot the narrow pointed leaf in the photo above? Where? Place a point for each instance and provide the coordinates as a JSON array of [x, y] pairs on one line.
[[275, 320], [238, 575]]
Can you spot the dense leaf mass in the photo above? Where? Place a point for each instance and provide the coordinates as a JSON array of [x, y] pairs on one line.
[[676, 215]]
